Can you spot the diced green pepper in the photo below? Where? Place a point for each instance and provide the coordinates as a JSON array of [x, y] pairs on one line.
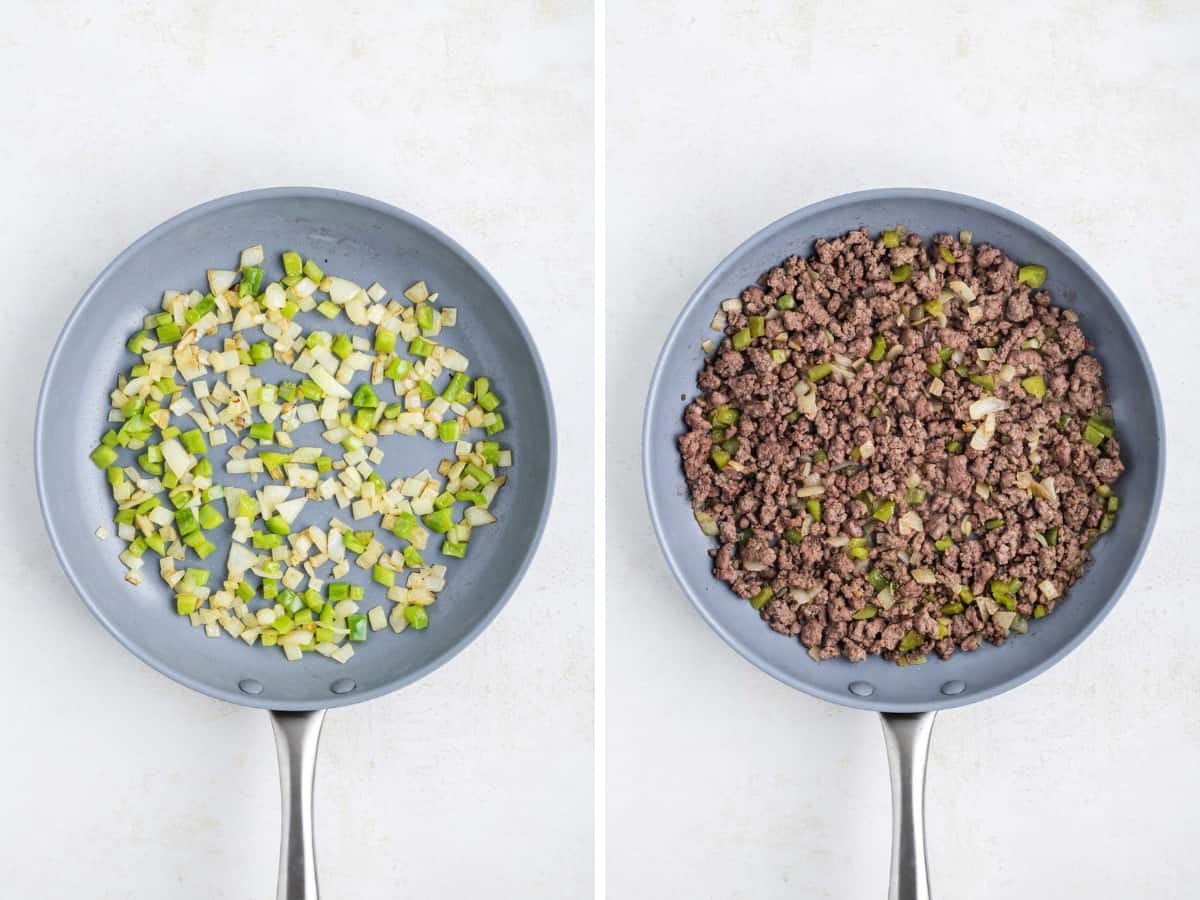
[[910, 641], [439, 520], [397, 369], [209, 518], [1034, 276], [385, 340], [193, 441], [260, 352], [266, 541], [877, 580], [425, 317], [251, 281], [364, 419], [1035, 386], [759, 600], [365, 396], [185, 521], [416, 617], [724, 416], [186, 604], [103, 456], [477, 473], [404, 525], [136, 343], [168, 333], [290, 601], [383, 575]]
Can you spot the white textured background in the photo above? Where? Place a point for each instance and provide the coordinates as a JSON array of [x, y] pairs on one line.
[[114, 116], [1084, 117]]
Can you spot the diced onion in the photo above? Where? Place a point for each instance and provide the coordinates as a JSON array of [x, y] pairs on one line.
[[924, 576], [985, 405], [961, 289]]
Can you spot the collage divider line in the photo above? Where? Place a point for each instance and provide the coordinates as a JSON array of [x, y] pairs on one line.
[[599, 401]]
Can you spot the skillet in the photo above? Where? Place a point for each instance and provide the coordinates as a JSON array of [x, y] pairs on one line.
[[358, 238], [908, 698]]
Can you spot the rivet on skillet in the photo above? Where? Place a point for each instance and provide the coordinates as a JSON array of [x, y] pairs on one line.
[[343, 686], [250, 686], [862, 688], [950, 688]]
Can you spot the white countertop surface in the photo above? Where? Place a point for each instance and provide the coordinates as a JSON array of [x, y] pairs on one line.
[[726, 784], [115, 116]]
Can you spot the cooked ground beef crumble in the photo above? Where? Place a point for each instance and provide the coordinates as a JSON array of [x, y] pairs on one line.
[[901, 447]]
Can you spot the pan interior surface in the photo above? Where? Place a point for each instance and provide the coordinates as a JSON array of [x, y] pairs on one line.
[[965, 677], [360, 239]]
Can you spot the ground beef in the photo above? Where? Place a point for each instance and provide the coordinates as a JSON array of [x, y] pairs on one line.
[[901, 448]]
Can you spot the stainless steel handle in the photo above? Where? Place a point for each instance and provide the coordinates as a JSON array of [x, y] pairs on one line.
[[907, 739], [296, 738]]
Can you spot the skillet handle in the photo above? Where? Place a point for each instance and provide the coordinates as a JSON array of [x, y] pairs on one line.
[[907, 739], [296, 738]]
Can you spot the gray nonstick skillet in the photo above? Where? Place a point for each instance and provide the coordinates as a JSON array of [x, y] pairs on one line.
[[361, 239], [908, 698]]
